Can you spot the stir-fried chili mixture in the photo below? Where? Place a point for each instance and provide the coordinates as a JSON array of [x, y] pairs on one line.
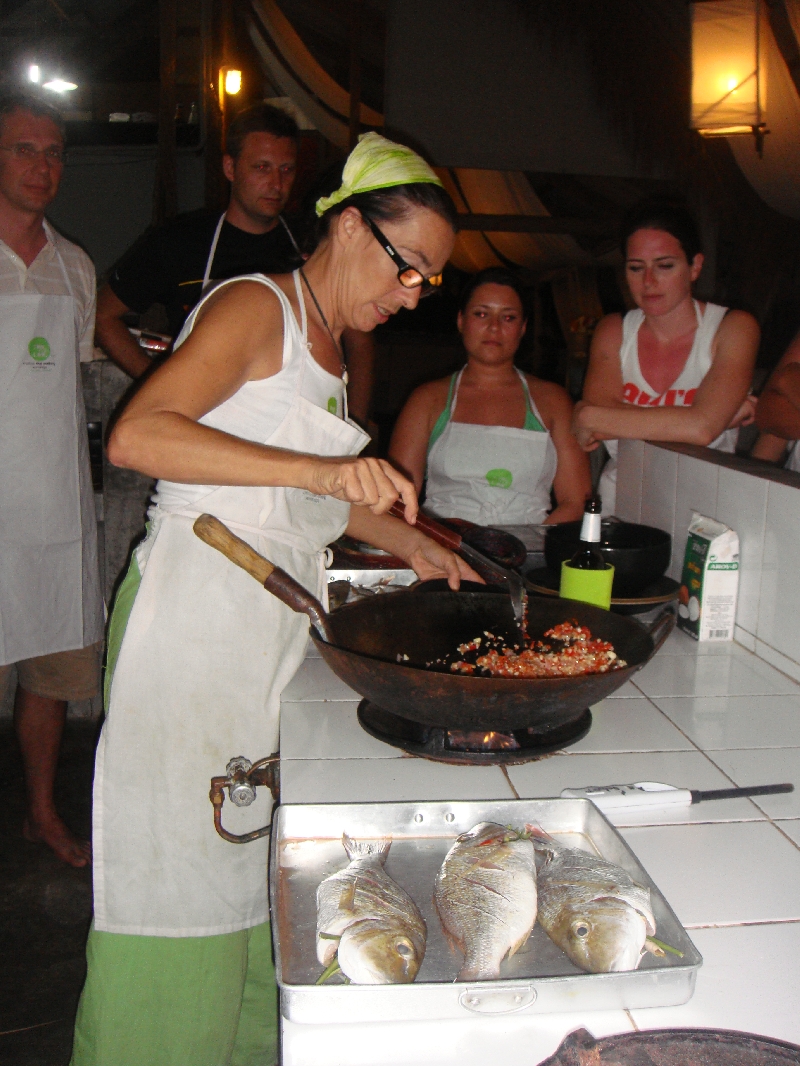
[[567, 651]]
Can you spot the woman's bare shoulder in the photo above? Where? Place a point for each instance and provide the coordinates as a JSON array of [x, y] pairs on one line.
[[430, 395], [608, 329], [253, 298], [552, 400]]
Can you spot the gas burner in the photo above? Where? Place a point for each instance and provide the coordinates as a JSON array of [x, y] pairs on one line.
[[481, 747]]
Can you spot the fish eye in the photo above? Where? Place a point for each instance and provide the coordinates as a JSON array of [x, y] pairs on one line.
[[581, 929], [403, 949]]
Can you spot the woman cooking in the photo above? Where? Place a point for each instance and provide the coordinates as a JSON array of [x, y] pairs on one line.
[[246, 421], [674, 369], [491, 440]]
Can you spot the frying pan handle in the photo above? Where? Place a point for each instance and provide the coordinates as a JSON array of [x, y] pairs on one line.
[[448, 538], [212, 532], [661, 629]]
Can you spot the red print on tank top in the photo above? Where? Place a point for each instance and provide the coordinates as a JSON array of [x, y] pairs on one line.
[[671, 398]]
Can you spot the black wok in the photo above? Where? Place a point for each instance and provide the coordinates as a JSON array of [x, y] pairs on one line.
[[639, 554], [362, 641]]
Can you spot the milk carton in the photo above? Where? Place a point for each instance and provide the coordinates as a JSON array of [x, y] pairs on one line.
[[710, 581]]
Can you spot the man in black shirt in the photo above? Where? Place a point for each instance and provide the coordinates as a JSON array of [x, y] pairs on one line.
[[173, 263]]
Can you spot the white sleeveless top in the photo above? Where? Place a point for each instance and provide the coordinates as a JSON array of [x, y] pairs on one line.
[[638, 392], [256, 410]]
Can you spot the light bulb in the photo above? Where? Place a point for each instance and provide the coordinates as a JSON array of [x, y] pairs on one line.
[[59, 85]]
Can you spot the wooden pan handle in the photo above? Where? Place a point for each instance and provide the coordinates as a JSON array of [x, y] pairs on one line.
[[212, 532], [443, 535]]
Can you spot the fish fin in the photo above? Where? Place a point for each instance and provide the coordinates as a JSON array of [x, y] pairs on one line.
[[348, 897], [363, 849], [519, 944], [537, 833]]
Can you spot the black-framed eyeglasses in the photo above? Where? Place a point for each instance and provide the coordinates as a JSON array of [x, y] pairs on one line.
[[408, 276]]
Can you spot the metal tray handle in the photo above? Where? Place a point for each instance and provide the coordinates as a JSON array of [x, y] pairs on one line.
[[487, 1000]]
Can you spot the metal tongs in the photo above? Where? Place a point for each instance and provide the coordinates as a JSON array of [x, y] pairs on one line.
[[448, 538]]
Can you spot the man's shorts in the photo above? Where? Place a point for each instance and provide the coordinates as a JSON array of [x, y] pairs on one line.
[[62, 675]]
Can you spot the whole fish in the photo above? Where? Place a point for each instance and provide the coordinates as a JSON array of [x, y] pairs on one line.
[[368, 921], [591, 908], [485, 894]]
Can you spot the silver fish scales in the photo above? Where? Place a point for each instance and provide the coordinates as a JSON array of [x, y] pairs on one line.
[[485, 894], [591, 908], [368, 921]]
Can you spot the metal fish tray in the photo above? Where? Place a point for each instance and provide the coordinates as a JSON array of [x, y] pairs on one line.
[[307, 847]]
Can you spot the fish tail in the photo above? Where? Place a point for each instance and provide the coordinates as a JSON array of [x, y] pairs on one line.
[[363, 849], [537, 833]]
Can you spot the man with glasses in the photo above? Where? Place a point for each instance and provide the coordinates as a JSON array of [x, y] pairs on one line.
[[51, 620]]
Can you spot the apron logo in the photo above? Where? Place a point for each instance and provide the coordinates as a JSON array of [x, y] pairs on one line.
[[39, 349], [332, 405], [500, 479]]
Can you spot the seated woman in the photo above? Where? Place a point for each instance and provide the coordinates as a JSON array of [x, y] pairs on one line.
[[778, 413], [491, 440], [674, 369]]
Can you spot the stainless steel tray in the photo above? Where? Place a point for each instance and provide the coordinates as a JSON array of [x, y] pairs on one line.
[[307, 846]]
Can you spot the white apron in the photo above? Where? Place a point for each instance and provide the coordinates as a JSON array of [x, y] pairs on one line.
[[793, 458], [50, 597], [206, 654], [491, 475], [638, 392]]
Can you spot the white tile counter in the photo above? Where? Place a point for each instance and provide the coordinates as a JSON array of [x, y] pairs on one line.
[[698, 716]]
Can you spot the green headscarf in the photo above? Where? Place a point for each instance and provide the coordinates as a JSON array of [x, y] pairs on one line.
[[376, 163]]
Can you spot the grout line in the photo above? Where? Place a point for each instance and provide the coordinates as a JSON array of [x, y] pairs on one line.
[[743, 924], [510, 782]]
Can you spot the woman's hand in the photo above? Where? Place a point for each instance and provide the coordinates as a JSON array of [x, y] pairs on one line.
[[430, 560], [367, 482], [581, 427], [427, 558], [746, 414]]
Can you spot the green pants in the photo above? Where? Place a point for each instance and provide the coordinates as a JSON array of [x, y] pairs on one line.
[[178, 1001], [174, 1001]]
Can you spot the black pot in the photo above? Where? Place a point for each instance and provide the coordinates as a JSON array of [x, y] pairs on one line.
[[639, 554]]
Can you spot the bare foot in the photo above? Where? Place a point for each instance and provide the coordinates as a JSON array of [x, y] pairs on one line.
[[55, 834]]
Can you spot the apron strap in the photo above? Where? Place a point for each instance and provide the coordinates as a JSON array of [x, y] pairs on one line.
[[532, 408], [52, 235], [212, 253]]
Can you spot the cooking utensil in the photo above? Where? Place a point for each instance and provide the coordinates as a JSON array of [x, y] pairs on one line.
[[501, 545], [639, 554], [380, 647], [448, 538], [306, 846], [653, 794], [674, 1047], [212, 532]]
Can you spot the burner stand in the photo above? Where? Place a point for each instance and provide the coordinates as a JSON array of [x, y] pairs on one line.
[[463, 749]]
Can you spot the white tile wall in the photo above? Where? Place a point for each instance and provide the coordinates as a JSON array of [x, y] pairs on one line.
[[696, 491], [742, 505], [659, 486], [765, 514], [778, 615], [630, 477]]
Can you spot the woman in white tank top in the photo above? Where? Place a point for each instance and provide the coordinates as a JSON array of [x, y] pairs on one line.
[[674, 369]]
